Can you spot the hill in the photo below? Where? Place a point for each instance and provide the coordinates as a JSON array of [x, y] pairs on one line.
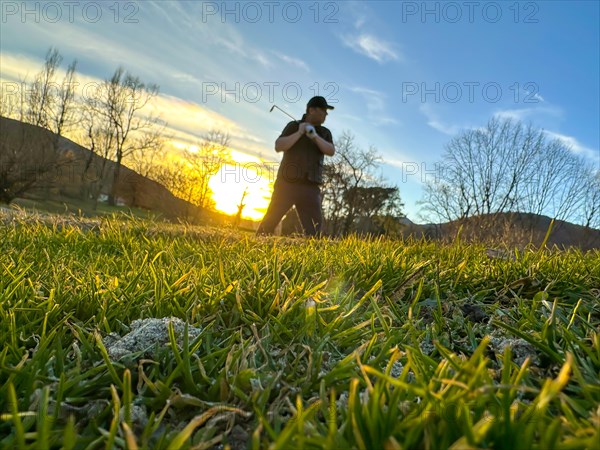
[[78, 171], [512, 229]]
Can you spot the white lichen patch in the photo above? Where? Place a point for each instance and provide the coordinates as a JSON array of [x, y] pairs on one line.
[[138, 416], [397, 369], [146, 335], [520, 349]]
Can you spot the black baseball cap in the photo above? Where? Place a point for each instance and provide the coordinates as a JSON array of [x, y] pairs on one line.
[[318, 102]]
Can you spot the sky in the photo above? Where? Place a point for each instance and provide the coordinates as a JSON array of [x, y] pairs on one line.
[[405, 77]]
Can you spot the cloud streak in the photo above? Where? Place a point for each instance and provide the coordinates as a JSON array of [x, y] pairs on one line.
[[436, 123], [294, 62], [376, 107], [522, 114], [187, 121], [372, 47], [575, 146]]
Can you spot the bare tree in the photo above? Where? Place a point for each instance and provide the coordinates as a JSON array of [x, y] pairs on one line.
[[99, 138], [41, 98], [205, 162], [351, 188], [377, 207], [375, 200], [182, 183], [173, 177], [63, 113], [552, 182], [146, 159], [590, 185], [240, 208], [31, 157], [28, 161], [348, 169], [121, 99], [115, 128], [12, 100], [504, 167]]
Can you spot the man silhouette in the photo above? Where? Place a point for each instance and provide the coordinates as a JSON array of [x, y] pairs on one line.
[[304, 144]]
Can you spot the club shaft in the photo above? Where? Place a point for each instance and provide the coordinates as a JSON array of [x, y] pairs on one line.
[[275, 106]]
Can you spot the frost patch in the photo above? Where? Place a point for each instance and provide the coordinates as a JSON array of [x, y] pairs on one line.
[[146, 335], [520, 348]]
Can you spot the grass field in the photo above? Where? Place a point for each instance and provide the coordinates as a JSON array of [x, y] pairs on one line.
[[320, 344]]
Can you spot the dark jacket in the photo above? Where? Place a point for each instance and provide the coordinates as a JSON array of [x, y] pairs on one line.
[[303, 162]]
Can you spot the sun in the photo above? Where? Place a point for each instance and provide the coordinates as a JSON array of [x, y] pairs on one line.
[[232, 180]]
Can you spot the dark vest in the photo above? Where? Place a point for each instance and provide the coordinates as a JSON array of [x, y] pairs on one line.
[[303, 162]]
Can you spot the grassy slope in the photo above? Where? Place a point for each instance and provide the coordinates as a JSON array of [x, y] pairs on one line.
[[306, 344], [77, 207]]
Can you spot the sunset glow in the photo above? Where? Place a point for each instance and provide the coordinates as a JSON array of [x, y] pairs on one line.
[[229, 184]]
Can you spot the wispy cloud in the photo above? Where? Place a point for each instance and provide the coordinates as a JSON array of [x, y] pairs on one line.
[[362, 39], [376, 107], [529, 113], [575, 146], [538, 97], [360, 21], [174, 14], [232, 41], [344, 117], [434, 121], [372, 47], [18, 67], [295, 62]]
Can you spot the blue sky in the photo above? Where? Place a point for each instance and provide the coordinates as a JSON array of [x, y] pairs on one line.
[[405, 77]]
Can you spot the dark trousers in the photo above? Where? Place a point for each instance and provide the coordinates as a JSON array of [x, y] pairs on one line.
[[306, 198]]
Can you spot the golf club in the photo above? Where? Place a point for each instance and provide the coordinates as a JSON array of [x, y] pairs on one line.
[[310, 130], [275, 106]]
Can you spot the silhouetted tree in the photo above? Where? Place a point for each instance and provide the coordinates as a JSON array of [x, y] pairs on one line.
[[505, 166], [205, 160], [352, 190], [30, 159], [116, 128]]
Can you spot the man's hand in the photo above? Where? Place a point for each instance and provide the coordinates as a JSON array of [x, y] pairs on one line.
[[308, 129], [302, 127], [283, 144]]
